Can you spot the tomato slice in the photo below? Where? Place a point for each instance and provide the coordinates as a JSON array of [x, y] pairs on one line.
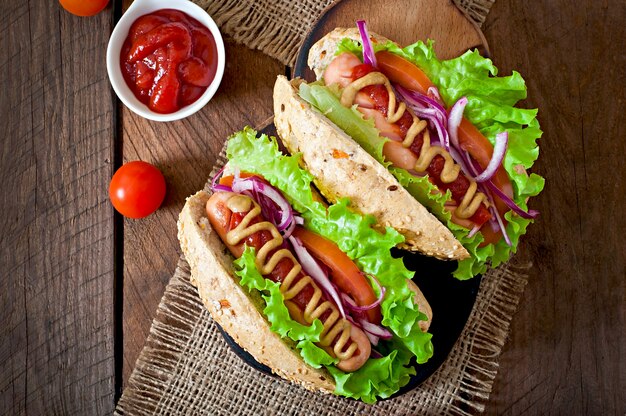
[[403, 72], [228, 179], [344, 273]]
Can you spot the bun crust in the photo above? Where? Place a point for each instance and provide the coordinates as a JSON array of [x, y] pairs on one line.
[[372, 189], [236, 310], [323, 51]]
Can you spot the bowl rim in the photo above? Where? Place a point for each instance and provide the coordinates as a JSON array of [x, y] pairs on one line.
[[137, 9]]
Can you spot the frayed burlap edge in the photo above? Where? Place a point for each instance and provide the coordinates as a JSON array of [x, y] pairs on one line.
[[187, 368], [278, 28]]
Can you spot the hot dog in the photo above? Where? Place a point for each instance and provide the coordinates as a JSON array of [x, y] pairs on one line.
[[238, 221], [372, 92], [260, 248]]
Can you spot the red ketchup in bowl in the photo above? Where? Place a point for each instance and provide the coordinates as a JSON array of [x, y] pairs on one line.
[[168, 60]]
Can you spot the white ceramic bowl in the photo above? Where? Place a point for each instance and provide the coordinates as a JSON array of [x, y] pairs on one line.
[[123, 91]]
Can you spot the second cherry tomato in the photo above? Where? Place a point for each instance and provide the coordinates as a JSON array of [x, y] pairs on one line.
[[84, 7], [137, 189]]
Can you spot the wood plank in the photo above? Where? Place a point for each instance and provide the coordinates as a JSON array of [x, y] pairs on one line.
[[185, 151], [56, 290], [439, 20], [567, 349]]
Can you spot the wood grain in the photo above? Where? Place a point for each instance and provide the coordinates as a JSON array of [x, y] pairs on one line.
[[56, 246], [407, 21], [567, 347], [185, 151], [567, 352]]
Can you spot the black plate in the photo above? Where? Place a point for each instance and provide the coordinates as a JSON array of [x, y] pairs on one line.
[[450, 299]]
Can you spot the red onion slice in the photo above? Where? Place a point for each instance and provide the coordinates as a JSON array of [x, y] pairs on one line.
[[374, 353], [255, 186], [499, 150], [473, 231], [369, 57], [462, 161], [351, 304], [289, 230], [216, 186], [313, 269], [496, 215], [424, 100], [454, 120], [375, 330], [373, 338], [489, 185], [531, 214], [427, 108], [433, 92]]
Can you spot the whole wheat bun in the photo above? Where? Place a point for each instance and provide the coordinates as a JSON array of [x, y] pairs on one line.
[[372, 189], [240, 312], [237, 311], [323, 51]]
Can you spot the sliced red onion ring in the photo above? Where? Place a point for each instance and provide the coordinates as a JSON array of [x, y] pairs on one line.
[[289, 230], [421, 99], [255, 186], [221, 188], [348, 301], [499, 150], [473, 231], [373, 338], [496, 215], [374, 353], [429, 109], [374, 329], [433, 92], [313, 269], [465, 166], [531, 214], [216, 186], [454, 120], [369, 57], [351, 304]]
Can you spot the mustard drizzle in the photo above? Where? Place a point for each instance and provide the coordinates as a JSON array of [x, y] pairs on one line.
[[333, 325], [473, 198]]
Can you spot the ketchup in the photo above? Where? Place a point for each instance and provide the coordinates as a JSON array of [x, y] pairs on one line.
[[168, 60]]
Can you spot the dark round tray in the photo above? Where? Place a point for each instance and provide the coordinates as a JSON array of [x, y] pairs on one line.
[[450, 299]]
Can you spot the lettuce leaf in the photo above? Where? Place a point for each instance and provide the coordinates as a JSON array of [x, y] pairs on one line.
[[370, 250], [277, 313], [490, 107]]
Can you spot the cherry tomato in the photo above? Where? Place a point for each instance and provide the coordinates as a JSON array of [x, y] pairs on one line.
[[137, 189], [344, 273], [84, 7]]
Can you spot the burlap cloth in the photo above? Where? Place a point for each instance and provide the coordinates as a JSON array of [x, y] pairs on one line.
[[186, 367]]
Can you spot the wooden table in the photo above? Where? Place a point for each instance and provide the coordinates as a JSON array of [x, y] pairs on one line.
[[80, 285]]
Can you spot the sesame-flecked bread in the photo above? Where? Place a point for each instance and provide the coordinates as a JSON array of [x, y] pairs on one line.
[[323, 51], [343, 169], [236, 310]]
